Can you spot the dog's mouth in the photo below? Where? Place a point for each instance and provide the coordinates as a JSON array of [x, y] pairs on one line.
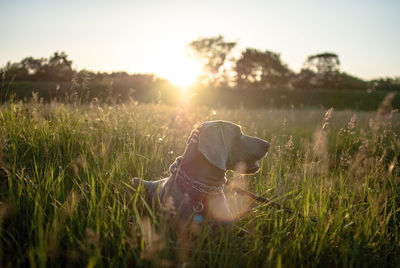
[[254, 168], [247, 168]]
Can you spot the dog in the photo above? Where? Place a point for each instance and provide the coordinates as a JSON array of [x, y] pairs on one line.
[[194, 190]]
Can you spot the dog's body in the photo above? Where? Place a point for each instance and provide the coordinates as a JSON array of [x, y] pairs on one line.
[[194, 191]]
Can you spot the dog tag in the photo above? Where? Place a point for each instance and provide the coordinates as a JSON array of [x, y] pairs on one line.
[[198, 218], [198, 208]]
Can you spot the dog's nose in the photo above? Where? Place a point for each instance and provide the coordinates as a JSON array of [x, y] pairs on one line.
[[264, 145]]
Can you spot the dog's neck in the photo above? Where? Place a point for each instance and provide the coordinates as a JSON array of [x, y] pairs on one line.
[[198, 168]]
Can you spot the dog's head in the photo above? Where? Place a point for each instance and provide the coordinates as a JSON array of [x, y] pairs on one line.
[[225, 146]]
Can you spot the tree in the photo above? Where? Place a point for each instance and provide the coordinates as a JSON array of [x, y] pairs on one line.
[[32, 65], [14, 71], [58, 68], [326, 67], [260, 69], [213, 52], [323, 63]]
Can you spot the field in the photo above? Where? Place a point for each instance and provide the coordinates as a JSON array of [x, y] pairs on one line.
[[66, 170]]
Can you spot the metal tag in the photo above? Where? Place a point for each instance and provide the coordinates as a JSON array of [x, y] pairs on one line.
[[198, 218]]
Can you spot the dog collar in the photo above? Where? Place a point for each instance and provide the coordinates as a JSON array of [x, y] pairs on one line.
[[179, 173]]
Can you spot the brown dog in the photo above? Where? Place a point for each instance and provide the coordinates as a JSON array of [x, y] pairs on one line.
[[194, 191]]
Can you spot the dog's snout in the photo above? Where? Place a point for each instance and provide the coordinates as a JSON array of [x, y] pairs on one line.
[[266, 145], [264, 148]]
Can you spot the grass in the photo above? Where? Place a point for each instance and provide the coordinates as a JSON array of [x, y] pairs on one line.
[[66, 169]]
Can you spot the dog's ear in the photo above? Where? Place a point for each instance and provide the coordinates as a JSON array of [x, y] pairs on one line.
[[214, 144], [194, 136]]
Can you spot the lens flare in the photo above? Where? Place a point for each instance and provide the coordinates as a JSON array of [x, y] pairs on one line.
[[234, 207]]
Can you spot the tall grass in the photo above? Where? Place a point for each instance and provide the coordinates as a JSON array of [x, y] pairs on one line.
[[66, 172]]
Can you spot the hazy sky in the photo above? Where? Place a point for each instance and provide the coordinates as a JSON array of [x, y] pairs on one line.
[[150, 35]]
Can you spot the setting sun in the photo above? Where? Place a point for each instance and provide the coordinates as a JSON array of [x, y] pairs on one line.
[[179, 69]]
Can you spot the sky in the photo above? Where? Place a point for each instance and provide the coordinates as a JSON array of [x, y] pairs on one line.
[[150, 36]]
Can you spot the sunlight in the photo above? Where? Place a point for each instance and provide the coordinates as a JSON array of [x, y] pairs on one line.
[[179, 69]]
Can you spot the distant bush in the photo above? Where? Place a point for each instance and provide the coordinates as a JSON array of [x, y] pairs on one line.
[[293, 98]]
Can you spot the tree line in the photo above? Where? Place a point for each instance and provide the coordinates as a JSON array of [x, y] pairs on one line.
[[260, 69], [54, 78], [254, 70]]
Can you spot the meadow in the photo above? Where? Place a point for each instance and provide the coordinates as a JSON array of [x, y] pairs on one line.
[[66, 201]]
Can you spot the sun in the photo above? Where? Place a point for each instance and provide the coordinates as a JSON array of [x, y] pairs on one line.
[[179, 69], [172, 63]]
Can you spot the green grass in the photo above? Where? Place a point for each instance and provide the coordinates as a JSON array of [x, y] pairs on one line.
[[66, 169]]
